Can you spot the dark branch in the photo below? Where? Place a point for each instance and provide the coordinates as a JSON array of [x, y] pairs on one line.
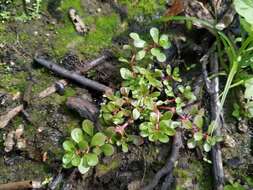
[[168, 168], [73, 76], [216, 113]]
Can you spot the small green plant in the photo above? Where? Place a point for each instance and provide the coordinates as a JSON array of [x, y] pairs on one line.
[[84, 147], [234, 186], [152, 102]]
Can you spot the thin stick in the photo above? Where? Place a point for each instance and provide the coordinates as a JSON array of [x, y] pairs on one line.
[[94, 63], [52, 89], [213, 90], [5, 119], [21, 185], [73, 76], [215, 110], [168, 168]]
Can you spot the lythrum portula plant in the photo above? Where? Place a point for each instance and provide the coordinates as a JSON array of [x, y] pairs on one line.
[[84, 147], [152, 102]]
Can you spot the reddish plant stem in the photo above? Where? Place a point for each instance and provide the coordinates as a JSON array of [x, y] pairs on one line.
[[121, 128], [173, 109]]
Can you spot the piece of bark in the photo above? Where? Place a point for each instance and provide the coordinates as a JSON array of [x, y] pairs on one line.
[[80, 27], [88, 66], [50, 90], [5, 119], [85, 108], [73, 76], [216, 115], [28, 184], [54, 184], [167, 170]]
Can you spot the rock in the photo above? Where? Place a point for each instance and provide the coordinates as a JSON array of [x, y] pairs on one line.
[[229, 142], [243, 127], [85, 108], [134, 185], [234, 162], [9, 141]]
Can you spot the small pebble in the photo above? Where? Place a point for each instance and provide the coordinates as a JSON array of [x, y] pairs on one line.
[[229, 142], [243, 127], [99, 10]]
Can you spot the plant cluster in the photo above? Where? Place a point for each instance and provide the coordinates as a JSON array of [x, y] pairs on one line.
[[244, 59], [85, 146], [152, 101]]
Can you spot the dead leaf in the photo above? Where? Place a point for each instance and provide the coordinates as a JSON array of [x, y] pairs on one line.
[[176, 8]]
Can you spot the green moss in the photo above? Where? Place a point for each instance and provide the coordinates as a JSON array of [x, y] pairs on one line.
[[57, 99], [197, 171], [13, 83], [102, 29], [103, 169], [143, 7]]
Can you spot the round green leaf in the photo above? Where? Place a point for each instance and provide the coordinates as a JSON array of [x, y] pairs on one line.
[[98, 139], [139, 43], [207, 147], [66, 159], [198, 136], [68, 146], [125, 73], [155, 52], [163, 138], [167, 115], [198, 121], [88, 127], [92, 159], [191, 143], [124, 147], [77, 135], [97, 150], [107, 149], [76, 160], [154, 32], [123, 60], [161, 57], [83, 166], [165, 124], [134, 36], [136, 114], [164, 41], [245, 9], [140, 55], [83, 145]]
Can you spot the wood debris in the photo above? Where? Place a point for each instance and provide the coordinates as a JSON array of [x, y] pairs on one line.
[[80, 27], [5, 119]]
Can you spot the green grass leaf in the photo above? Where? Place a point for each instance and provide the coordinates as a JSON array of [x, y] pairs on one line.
[[245, 9]]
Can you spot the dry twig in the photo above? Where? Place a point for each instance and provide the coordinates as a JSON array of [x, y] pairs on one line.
[[73, 76], [21, 185], [167, 170]]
